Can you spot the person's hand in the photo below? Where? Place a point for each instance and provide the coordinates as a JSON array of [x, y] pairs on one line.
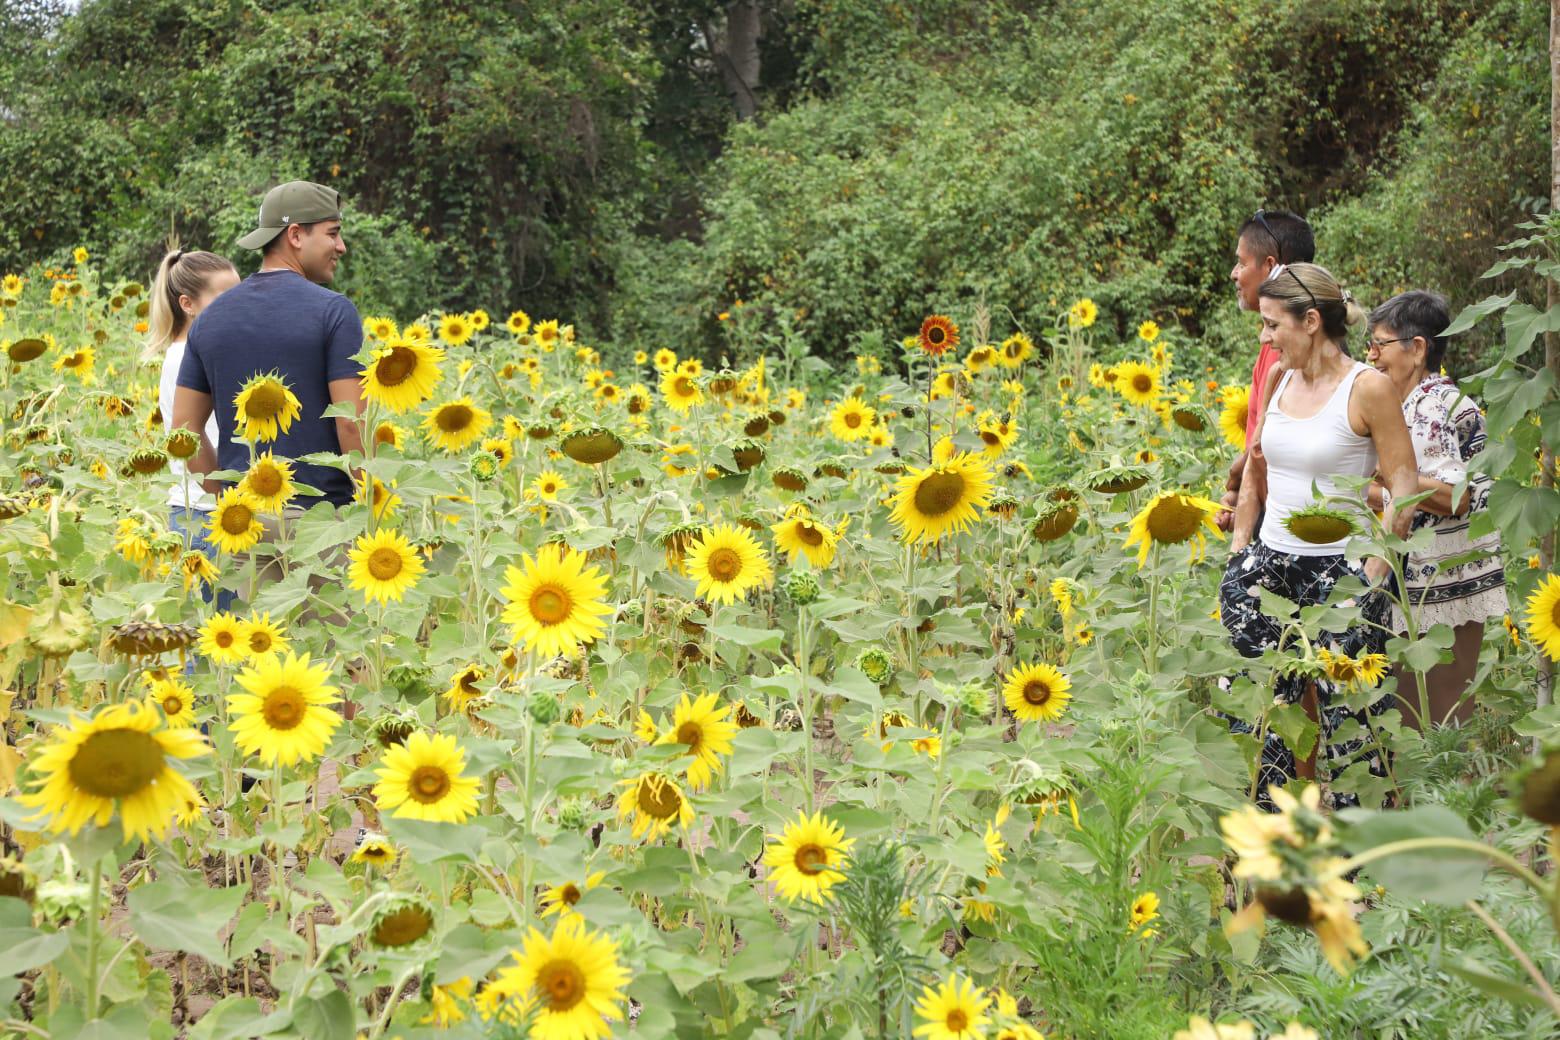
[[1224, 519]]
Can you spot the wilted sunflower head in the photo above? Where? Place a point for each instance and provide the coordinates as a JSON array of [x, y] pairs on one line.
[[146, 461], [1118, 479], [1054, 520], [182, 443], [592, 445], [1320, 525], [401, 922], [148, 638], [1538, 787]]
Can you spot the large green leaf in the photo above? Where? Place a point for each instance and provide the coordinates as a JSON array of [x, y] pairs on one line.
[[1448, 876], [168, 915], [1475, 313], [330, 1017], [1523, 513], [23, 949]]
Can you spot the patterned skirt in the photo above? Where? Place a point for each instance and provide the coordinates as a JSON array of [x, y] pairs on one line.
[[1462, 592], [1305, 581]]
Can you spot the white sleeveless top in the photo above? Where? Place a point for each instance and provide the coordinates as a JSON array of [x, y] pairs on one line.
[[1302, 451], [166, 384]]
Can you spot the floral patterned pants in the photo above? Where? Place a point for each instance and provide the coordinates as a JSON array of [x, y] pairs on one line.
[[1304, 580]]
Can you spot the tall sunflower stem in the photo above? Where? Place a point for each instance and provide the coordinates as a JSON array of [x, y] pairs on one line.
[[277, 857], [94, 936], [805, 701], [391, 1002], [1153, 613]]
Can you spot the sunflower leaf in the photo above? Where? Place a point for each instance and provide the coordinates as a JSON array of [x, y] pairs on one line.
[[167, 915]]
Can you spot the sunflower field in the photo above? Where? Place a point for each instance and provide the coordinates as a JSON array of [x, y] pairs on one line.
[[659, 696]]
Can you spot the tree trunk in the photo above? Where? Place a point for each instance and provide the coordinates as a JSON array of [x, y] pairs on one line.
[[738, 55]]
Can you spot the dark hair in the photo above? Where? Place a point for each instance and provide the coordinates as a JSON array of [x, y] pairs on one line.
[[1282, 235], [1417, 312], [270, 246], [1307, 287]]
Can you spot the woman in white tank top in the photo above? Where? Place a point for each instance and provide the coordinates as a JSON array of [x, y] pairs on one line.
[[1329, 417]]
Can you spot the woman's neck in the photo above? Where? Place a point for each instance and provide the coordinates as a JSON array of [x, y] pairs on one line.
[[1325, 360], [1412, 381]]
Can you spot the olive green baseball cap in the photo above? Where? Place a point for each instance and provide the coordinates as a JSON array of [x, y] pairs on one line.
[[296, 202]]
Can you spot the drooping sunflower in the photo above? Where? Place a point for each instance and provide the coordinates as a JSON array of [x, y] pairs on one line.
[[424, 779], [938, 335], [286, 715], [197, 569], [547, 485], [235, 521], [656, 803], [680, 390], [801, 535], [1361, 672], [455, 329], [376, 851], [269, 483], [454, 425], [463, 688], [1543, 616], [1320, 524], [555, 601], [559, 900], [259, 635], [1137, 383], [931, 501], [808, 857], [852, 419], [1170, 519], [1037, 692], [572, 982], [265, 408], [726, 562], [117, 759], [384, 565], [222, 639], [705, 729], [402, 375], [955, 1010], [1234, 403]]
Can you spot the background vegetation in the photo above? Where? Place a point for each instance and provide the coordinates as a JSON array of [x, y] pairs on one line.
[[845, 164]]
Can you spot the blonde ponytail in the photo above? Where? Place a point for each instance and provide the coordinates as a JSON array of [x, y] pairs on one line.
[[179, 274]]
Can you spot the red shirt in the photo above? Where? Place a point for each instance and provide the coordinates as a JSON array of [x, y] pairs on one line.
[[1267, 357]]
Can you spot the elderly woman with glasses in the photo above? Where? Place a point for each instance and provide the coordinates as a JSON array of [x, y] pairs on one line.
[[1447, 428]]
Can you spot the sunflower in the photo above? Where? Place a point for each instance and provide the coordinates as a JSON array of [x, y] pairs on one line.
[[998, 435], [800, 535], [500, 448], [1145, 909], [1037, 693], [656, 804], [665, 360], [375, 850], [117, 759], [28, 348], [265, 408], [380, 328], [547, 334], [235, 521], [455, 329], [384, 566], [851, 419], [956, 1010], [1170, 519], [555, 601], [402, 375], [808, 858], [572, 982], [1082, 314], [259, 635], [1320, 524], [519, 322], [388, 435], [547, 485], [222, 639], [1361, 672], [931, 501], [269, 483], [383, 500], [681, 390], [1137, 383], [286, 715], [706, 732], [463, 687], [938, 335], [560, 899], [79, 363], [11, 285], [197, 569], [1234, 403], [176, 701], [423, 779], [1543, 616], [1016, 349], [1148, 331], [727, 562], [454, 425]]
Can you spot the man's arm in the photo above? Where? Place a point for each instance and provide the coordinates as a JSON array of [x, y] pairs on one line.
[[191, 409], [349, 432]]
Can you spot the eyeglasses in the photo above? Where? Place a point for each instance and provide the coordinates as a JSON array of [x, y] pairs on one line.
[[1284, 269], [1379, 344]]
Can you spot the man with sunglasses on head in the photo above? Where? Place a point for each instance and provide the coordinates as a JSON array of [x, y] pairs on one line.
[[1270, 238]]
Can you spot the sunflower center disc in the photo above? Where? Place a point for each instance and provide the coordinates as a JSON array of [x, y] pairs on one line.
[[852, 419], [223, 639], [284, 708], [453, 418], [570, 894], [1554, 613], [990, 437], [236, 519], [562, 983], [172, 705], [683, 386], [725, 564], [811, 859], [689, 733], [384, 435], [116, 763], [266, 481], [428, 784], [660, 800], [809, 534], [1142, 384], [958, 1021], [939, 493], [396, 367], [550, 605], [1173, 521], [468, 684], [259, 641], [1037, 692], [384, 563], [265, 401]]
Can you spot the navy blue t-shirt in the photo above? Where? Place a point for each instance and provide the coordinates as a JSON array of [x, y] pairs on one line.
[[277, 321]]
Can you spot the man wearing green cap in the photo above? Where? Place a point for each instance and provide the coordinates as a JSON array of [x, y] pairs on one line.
[[281, 320]]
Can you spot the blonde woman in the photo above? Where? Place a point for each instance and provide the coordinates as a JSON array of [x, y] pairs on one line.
[[1328, 417], [186, 282]]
